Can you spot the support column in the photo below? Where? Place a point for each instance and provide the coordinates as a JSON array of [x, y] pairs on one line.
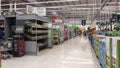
[[11, 7], [0, 7], [15, 7]]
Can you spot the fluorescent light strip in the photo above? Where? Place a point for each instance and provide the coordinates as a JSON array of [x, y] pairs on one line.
[[78, 9], [58, 7], [76, 12]]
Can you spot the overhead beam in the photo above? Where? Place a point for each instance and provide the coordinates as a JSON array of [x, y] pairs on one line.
[[64, 6], [35, 3], [31, 3]]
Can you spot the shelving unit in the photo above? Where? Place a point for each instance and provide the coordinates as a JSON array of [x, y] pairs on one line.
[[2, 21], [36, 28], [107, 51], [100, 49], [56, 39], [113, 52], [58, 35], [2, 27], [36, 32]]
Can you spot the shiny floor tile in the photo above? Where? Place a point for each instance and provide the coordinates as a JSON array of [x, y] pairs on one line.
[[74, 53]]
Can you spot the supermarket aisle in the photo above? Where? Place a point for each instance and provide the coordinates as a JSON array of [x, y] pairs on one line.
[[75, 53]]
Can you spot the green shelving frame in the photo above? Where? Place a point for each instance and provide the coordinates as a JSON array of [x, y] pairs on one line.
[[118, 54], [110, 53]]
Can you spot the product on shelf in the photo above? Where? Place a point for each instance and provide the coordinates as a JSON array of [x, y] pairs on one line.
[[100, 49], [37, 31], [102, 54], [34, 25], [42, 44], [107, 50], [56, 36]]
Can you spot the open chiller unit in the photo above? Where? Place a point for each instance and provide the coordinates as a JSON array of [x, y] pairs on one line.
[[56, 33]]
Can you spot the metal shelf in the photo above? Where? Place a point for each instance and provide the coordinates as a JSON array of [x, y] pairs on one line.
[[38, 32], [32, 17], [10, 16]]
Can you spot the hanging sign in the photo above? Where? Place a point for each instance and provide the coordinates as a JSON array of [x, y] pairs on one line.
[[83, 22], [40, 11], [29, 9], [58, 20]]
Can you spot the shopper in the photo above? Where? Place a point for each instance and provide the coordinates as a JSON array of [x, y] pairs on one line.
[[93, 32]]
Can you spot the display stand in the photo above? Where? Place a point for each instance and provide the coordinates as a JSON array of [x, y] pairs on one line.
[[36, 32], [16, 32], [58, 35]]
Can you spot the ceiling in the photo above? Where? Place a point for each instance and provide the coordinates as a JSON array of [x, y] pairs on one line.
[[68, 8]]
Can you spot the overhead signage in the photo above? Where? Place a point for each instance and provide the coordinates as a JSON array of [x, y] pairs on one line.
[[83, 22], [40, 11], [58, 20], [29, 9]]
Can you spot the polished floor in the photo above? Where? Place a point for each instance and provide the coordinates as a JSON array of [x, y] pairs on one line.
[[75, 53]]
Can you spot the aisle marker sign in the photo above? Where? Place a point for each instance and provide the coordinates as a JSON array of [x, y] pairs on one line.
[[83, 22]]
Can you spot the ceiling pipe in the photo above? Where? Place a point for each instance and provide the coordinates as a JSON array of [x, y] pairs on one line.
[[103, 5]]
